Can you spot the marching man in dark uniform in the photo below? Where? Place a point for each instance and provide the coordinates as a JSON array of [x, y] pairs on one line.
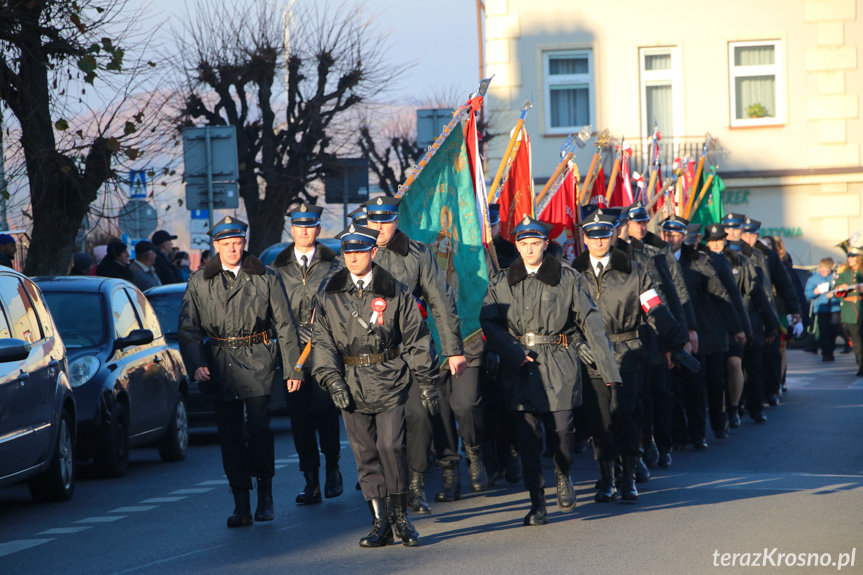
[[362, 317], [241, 306], [530, 316], [411, 263], [304, 265]]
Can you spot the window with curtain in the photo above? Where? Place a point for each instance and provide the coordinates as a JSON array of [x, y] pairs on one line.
[[756, 83], [568, 79], [659, 94]]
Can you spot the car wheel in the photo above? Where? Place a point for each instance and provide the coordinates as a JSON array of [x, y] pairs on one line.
[[172, 447], [114, 459], [58, 483]]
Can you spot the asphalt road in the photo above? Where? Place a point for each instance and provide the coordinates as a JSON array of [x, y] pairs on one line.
[[791, 486]]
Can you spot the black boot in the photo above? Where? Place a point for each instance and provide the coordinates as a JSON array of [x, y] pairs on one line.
[[402, 526], [264, 511], [565, 491], [382, 532], [642, 473], [312, 491], [651, 454], [605, 486], [333, 485], [476, 469], [242, 516], [733, 416], [628, 492], [513, 467], [451, 488], [416, 494], [537, 514]]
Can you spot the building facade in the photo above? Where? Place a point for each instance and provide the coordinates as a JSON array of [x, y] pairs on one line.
[[776, 83]]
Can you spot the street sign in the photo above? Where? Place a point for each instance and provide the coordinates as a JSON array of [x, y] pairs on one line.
[[137, 184], [222, 155], [200, 241], [226, 196], [350, 173], [430, 123], [138, 218]]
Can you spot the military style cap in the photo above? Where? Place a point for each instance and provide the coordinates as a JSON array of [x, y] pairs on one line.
[[751, 226], [382, 209], [733, 221], [674, 223], [306, 215], [616, 212], [493, 214], [228, 227], [600, 224], [359, 217], [854, 251], [356, 238], [636, 213], [714, 232], [692, 232], [530, 228]]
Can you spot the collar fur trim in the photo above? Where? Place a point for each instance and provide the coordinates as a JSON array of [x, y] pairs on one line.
[[250, 264], [548, 273], [286, 256], [383, 283]]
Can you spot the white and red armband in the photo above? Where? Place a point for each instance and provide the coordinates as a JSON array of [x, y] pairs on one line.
[[649, 300]]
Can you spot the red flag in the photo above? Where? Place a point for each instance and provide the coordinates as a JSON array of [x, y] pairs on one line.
[[597, 194], [516, 193], [472, 138], [560, 213], [622, 194]]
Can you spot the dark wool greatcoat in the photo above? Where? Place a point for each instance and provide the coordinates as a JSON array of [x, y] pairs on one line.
[[654, 245], [762, 316], [217, 305], [553, 301], [723, 268], [337, 333]]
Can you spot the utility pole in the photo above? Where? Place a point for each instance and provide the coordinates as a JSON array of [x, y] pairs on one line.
[[4, 189]]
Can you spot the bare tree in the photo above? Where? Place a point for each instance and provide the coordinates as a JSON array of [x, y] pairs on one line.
[[235, 58], [52, 50]]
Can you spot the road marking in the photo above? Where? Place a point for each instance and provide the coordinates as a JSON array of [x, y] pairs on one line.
[[163, 499], [283, 461], [280, 466], [135, 509], [215, 482], [753, 481], [102, 519], [65, 530], [190, 491], [713, 482], [14, 546]]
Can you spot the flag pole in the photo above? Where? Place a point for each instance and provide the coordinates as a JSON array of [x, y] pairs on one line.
[[457, 116], [614, 170], [698, 171], [568, 150], [704, 189], [600, 143], [528, 104], [657, 163], [677, 173]]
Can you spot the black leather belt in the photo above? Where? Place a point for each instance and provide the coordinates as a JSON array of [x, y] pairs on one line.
[[625, 336], [242, 341], [531, 339], [367, 359]]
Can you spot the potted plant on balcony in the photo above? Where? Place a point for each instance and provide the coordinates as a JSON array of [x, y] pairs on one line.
[[756, 110]]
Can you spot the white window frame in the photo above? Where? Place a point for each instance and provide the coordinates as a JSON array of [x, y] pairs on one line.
[[550, 81], [777, 69], [675, 77]]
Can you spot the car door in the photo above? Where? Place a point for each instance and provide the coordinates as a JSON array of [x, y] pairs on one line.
[[161, 375], [22, 417]]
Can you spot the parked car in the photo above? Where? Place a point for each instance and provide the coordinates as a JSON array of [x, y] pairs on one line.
[[166, 301], [130, 386], [268, 256], [37, 405]]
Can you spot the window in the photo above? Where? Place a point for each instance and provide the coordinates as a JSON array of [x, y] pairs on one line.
[[661, 97], [757, 96], [39, 304], [79, 317], [22, 316], [568, 90], [145, 310], [125, 319]]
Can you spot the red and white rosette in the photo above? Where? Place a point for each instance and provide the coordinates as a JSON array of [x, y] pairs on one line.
[[379, 304]]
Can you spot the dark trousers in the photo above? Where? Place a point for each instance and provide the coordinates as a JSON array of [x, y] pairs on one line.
[[460, 413], [828, 328], [312, 409], [611, 411], [773, 367], [691, 388], [243, 459], [498, 432], [378, 443], [419, 429], [659, 387], [854, 334], [716, 380], [558, 425], [753, 387]]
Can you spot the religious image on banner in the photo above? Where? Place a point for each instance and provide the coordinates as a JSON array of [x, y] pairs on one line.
[[444, 248]]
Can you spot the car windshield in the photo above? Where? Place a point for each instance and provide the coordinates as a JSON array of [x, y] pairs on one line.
[[80, 317], [167, 308]]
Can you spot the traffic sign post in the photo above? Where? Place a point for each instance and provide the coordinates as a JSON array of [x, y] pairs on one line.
[[137, 184], [138, 218], [347, 181], [198, 229]]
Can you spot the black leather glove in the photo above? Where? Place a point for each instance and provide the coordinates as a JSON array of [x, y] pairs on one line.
[[305, 334], [492, 362], [340, 394], [685, 360], [585, 355], [430, 398]]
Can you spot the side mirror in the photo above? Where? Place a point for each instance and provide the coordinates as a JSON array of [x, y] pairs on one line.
[[137, 337], [13, 350]]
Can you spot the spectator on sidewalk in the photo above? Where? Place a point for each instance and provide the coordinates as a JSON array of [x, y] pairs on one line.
[[825, 307], [115, 264], [143, 273], [82, 265], [165, 269]]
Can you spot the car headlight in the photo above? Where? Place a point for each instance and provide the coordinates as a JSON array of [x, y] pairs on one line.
[[82, 370]]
